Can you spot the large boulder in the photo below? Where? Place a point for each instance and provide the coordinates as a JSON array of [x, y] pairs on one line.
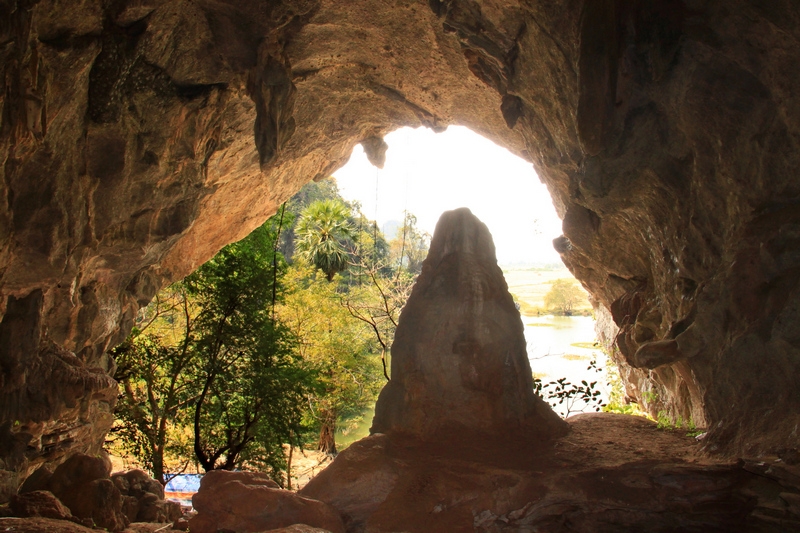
[[82, 484], [248, 502], [459, 359]]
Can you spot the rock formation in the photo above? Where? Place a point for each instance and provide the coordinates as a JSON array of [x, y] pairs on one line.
[[83, 487], [610, 473], [459, 357], [248, 502], [140, 136]]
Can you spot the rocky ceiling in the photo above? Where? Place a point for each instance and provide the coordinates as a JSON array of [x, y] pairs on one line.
[[140, 136]]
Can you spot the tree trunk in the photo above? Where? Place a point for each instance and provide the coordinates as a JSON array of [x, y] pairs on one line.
[[327, 433], [289, 468]]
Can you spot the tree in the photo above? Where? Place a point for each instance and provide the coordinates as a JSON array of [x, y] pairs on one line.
[[151, 372], [252, 384], [378, 303], [313, 191], [323, 233], [564, 296], [339, 348], [218, 365], [410, 247]]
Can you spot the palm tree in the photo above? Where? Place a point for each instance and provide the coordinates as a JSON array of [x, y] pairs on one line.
[[322, 234]]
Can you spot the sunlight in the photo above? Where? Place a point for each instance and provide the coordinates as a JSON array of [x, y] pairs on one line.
[[427, 173]]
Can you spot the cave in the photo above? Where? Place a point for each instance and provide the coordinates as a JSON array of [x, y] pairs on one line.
[[140, 136]]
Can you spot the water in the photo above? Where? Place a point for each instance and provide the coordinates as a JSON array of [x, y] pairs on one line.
[[553, 353]]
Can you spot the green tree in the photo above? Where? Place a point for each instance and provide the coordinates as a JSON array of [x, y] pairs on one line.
[[313, 191], [252, 384], [150, 372], [150, 368], [323, 234], [217, 365], [340, 349], [564, 296]]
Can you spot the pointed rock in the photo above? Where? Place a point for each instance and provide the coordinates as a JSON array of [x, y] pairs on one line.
[[459, 356]]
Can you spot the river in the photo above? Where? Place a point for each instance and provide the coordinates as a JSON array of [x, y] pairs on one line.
[[563, 347]]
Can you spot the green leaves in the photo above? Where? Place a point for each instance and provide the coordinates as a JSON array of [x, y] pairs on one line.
[[214, 363], [323, 234]]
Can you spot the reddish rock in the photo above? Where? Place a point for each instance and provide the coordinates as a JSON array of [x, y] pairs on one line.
[[40, 503], [298, 528], [81, 483], [78, 470], [98, 500], [40, 525], [247, 502], [459, 357]]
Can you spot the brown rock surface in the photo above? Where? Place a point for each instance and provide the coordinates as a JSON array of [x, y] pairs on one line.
[[139, 137], [84, 485], [459, 358], [249, 502], [297, 528], [39, 525], [143, 498], [39, 503], [611, 473]]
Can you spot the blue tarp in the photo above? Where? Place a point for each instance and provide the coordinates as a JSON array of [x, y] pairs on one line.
[[183, 483]]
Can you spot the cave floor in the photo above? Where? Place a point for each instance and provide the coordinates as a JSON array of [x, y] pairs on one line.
[[610, 473]]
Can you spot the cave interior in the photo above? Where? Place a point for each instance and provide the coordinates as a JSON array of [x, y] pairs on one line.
[[140, 136]]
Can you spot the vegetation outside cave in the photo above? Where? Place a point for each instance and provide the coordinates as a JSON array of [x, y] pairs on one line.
[[335, 300]]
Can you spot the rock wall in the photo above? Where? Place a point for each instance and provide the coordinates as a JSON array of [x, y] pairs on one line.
[[140, 136]]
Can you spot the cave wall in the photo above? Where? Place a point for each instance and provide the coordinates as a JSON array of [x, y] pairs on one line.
[[140, 136]]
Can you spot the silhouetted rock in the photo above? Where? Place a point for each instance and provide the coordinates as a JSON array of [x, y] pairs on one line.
[[459, 357]]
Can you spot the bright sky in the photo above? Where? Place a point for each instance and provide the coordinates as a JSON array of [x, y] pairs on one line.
[[428, 173]]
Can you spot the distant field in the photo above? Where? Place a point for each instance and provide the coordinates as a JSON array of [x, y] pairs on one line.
[[529, 287]]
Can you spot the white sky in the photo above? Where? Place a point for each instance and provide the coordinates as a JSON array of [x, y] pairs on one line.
[[428, 173]]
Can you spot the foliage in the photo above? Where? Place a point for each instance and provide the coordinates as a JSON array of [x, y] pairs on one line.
[[313, 191], [576, 398], [251, 383], [617, 401], [219, 363], [323, 235], [370, 251], [564, 296], [665, 422], [340, 349], [151, 373], [410, 247]]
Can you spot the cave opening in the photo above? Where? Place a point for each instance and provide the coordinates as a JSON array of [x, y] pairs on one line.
[[138, 138], [425, 173]]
